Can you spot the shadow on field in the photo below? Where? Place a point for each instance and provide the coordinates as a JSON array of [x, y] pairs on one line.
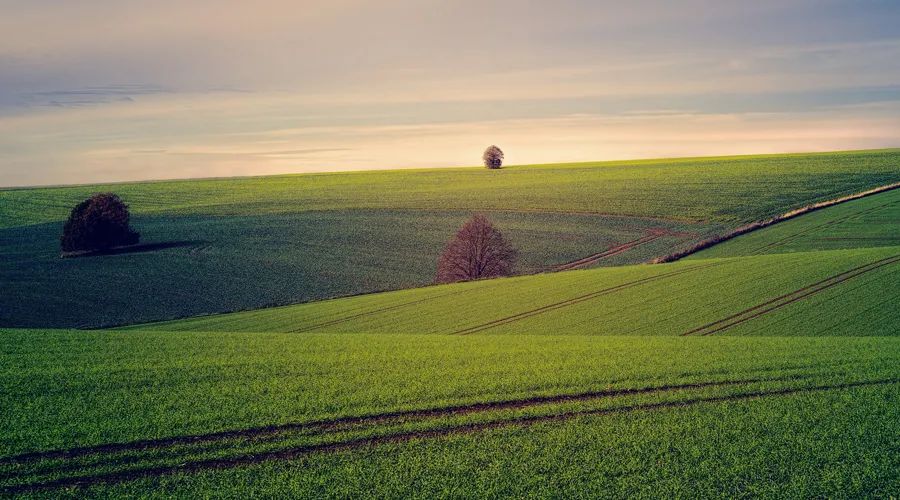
[[140, 248]]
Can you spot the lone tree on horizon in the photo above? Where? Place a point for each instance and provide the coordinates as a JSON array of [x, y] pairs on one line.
[[493, 157], [477, 251], [98, 223]]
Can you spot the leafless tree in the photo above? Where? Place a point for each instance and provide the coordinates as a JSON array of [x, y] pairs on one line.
[[477, 251], [493, 157]]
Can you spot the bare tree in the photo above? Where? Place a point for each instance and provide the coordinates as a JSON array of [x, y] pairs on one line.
[[477, 251], [493, 157]]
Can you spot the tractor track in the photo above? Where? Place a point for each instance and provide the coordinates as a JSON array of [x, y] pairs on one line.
[[790, 298], [380, 310], [616, 250], [651, 235], [824, 225], [375, 418], [402, 437], [576, 300]]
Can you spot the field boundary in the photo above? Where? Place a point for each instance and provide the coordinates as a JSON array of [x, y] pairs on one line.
[[754, 226]]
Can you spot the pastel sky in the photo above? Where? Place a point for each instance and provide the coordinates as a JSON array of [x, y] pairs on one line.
[[112, 90]]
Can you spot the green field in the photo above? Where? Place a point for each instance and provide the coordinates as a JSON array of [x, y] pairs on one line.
[[663, 299], [873, 221], [66, 390], [237, 244], [767, 366]]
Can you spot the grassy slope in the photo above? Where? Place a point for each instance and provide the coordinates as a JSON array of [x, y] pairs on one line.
[[229, 263], [868, 222], [674, 300], [730, 189], [253, 242], [64, 389], [792, 421], [836, 444]]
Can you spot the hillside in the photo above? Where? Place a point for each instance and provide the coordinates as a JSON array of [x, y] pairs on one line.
[[664, 299], [872, 221], [234, 244], [751, 374], [747, 292], [196, 411]]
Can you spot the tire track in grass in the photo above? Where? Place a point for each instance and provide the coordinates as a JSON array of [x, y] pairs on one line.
[[790, 298], [651, 235], [824, 225], [576, 300], [369, 313], [403, 437], [375, 418], [344, 319], [123, 454], [611, 252]]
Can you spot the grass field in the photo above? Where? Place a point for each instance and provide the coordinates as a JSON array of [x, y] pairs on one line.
[[235, 244], [867, 222], [668, 299], [731, 189], [231, 263], [818, 444], [769, 366], [294, 395]]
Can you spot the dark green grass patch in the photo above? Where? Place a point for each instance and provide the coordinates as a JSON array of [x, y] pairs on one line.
[[194, 265], [288, 239], [867, 222], [842, 292]]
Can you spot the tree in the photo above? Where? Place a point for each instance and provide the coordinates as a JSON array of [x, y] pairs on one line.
[[477, 251], [493, 157], [98, 223]]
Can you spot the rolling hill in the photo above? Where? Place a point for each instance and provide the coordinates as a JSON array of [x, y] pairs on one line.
[[223, 245], [769, 366]]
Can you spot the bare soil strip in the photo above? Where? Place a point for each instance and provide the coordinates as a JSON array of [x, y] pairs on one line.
[[301, 451], [790, 298], [373, 419], [768, 222], [575, 300]]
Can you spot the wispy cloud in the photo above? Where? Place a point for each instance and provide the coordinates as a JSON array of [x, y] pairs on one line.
[[175, 88]]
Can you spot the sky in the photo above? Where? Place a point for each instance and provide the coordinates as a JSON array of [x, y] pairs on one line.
[[118, 90]]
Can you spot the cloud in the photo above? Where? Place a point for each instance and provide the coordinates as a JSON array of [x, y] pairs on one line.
[[179, 87]]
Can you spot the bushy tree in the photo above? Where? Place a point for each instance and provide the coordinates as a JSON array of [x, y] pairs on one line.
[[98, 223], [477, 251], [493, 157]]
